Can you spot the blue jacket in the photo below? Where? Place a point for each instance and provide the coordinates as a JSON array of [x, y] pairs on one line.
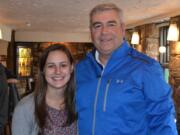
[[128, 97]]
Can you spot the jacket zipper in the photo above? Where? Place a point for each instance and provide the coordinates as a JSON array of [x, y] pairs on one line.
[[105, 96], [95, 105]]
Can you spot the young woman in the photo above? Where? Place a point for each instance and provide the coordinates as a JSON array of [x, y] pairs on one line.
[[50, 110]]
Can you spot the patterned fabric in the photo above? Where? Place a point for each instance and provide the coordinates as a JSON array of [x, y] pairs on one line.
[[55, 121]]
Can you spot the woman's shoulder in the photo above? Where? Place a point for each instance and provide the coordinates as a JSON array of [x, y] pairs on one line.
[[23, 121], [26, 103], [27, 100]]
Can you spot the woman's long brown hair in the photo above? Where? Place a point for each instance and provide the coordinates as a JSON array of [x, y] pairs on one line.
[[41, 88]]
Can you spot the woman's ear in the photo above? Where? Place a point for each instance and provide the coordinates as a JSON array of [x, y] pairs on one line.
[[42, 73]]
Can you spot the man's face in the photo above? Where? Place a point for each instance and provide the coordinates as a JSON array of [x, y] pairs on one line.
[[107, 31]]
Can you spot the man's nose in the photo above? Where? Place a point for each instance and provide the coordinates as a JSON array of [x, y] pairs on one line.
[[104, 29]]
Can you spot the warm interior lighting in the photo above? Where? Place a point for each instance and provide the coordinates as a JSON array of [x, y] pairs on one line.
[[0, 34], [173, 32], [135, 38], [162, 49], [177, 47]]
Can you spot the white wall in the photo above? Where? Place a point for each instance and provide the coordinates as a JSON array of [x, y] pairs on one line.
[[6, 32], [26, 36], [51, 37]]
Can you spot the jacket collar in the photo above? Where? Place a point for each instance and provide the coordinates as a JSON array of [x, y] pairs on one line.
[[118, 53], [115, 58], [122, 51]]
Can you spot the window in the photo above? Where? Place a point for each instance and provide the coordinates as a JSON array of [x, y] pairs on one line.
[[164, 57]]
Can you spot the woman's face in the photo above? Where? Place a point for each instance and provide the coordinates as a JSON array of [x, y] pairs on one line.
[[57, 70]]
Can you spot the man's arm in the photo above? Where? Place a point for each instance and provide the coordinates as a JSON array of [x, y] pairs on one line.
[[160, 106]]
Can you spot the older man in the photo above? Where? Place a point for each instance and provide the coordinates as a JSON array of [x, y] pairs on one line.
[[119, 90]]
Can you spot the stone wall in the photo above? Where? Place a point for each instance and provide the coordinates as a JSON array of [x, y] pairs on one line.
[[174, 65], [3, 52], [149, 39]]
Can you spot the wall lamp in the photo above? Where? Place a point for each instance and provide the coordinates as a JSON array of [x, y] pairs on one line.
[[162, 49], [135, 38], [0, 33], [173, 32]]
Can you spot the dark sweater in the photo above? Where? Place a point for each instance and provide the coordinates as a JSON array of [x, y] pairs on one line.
[[3, 99]]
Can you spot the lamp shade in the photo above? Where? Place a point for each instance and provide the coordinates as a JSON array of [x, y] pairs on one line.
[[173, 32], [135, 38]]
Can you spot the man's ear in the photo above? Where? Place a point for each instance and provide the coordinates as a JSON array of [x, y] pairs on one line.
[[123, 29]]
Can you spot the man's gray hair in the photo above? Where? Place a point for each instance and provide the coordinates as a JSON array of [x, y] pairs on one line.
[[106, 7]]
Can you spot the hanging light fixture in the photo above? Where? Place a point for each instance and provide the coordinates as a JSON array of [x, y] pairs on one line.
[[173, 32], [0, 33], [135, 38]]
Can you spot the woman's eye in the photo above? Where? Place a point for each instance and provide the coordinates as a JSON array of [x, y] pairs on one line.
[[64, 65]]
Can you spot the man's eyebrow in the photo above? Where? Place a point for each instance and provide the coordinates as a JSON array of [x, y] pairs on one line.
[[112, 21]]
